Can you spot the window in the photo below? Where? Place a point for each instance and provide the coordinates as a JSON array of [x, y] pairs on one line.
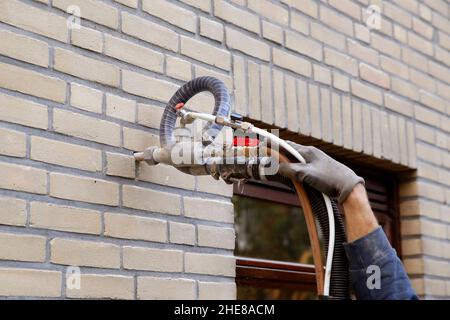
[[274, 259]]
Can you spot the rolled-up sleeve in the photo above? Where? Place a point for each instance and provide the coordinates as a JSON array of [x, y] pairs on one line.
[[376, 272]]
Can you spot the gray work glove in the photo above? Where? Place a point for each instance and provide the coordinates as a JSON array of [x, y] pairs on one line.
[[321, 172]]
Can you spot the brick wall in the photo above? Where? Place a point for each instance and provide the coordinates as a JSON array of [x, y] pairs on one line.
[[76, 102]]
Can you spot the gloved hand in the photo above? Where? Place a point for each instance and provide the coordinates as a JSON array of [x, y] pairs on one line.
[[321, 172]]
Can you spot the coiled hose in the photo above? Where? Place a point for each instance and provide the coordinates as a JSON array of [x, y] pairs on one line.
[[187, 91], [339, 282]]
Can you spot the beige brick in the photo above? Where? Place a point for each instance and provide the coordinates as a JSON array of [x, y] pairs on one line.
[[103, 286], [87, 38], [137, 258], [134, 54], [357, 137], [328, 36], [322, 75], [420, 44], [254, 87], [423, 28], [76, 252], [341, 81], [171, 13], [248, 45], [425, 133], [149, 115], [178, 68], [279, 106], [84, 189], [236, 16], [158, 288], [421, 79], [23, 112], [211, 264], [149, 32], [432, 101], [64, 218], [400, 34], [165, 175], [292, 62], [439, 71], [440, 21], [30, 282], [22, 247], [24, 48], [120, 165], [240, 86], [336, 21], [206, 53], [182, 233], [444, 40], [200, 208], [347, 7], [86, 98], [325, 116], [386, 46], [12, 143], [18, 79], [309, 7], [336, 116], [30, 18], [299, 23], [96, 11], [147, 87], [86, 68], [216, 237], [386, 144], [216, 290], [211, 29], [65, 154], [376, 132], [200, 4], [267, 113], [202, 72], [303, 107], [151, 200], [206, 184], [404, 88], [120, 108], [366, 92], [291, 103], [396, 14], [374, 75], [85, 127], [362, 33], [394, 67], [415, 59], [398, 105], [394, 137], [426, 115], [341, 61], [13, 211], [22, 178], [362, 52], [270, 10], [129, 3], [347, 122], [304, 45], [138, 140], [272, 32], [134, 227]]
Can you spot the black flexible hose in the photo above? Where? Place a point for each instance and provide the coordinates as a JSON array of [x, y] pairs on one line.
[[187, 91], [340, 277]]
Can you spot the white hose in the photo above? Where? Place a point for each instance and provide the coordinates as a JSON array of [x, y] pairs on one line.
[[273, 138]]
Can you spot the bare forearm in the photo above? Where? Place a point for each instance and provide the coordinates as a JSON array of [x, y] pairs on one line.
[[359, 218]]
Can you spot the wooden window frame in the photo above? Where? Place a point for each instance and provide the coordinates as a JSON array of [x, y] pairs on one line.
[[276, 274]]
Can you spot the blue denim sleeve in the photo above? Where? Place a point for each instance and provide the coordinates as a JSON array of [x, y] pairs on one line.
[[376, 272]]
